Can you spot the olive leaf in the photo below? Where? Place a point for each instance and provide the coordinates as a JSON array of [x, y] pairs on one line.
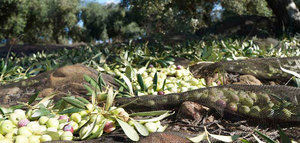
[[71, 110], [198, 138], [101, 82], [257, 139], [89, 89], [129, 72], [166, 114], [85, 124], [90, 130], [83, 100], [33, 98], [164, 84], [127, 81], [99, 132], [128, 130], [5, 110], [20, 106], [283, 137], [141, 82], [74, 102], [40, 112], [140, 128], [162, 63], [155, 82], [289, 71], [45, 99], [224, 138], [91, 81], [150, 113], [265, 137], [122, 84], [296, 81], [110, 98], [60, 105]]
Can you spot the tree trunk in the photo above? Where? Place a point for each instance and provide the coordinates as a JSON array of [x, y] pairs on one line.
[[56, 39], [287, 14]]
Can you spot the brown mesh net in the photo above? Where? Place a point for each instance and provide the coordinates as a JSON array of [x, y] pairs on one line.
[[263, 68], [265, 102]]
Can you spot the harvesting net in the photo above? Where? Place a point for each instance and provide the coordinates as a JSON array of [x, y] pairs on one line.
[[278, 103], [266, 102], [262, 68]]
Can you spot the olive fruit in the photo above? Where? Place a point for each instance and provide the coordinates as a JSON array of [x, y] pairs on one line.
[[16, 117], [21, 139], [244, 109], [253, 96], [160, 93], [232, 106], [6, 127], [216, 92], [74, 125], [45, 138], [82, 122], [242, 95], [204, 95], [263, 98], [212, 98], [34, 139], [255, 111], [247, 102], [76, 117], [151, 127], [24, 131], [52, 122], [109, 126], [286, 113], [270, 104], [68, 128], [63, 119], [23, 122], [150, 66], [221, 103], [83, 113], [35, 127], [67, 135], [43, 120], [232, 96]]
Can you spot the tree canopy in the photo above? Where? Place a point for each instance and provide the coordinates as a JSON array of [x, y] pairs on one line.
[[48, 21]]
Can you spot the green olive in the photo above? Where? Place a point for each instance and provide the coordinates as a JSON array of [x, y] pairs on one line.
[[255, 111], [232, 106], [244, 109], [263, 98], [270, 104], [247, 101], [286, 113], [253, 96], [242, 95]]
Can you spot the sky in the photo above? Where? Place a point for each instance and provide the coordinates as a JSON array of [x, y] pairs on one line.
[[108, 1]]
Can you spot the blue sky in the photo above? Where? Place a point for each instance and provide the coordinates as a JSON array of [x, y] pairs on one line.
[[108, 1]]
